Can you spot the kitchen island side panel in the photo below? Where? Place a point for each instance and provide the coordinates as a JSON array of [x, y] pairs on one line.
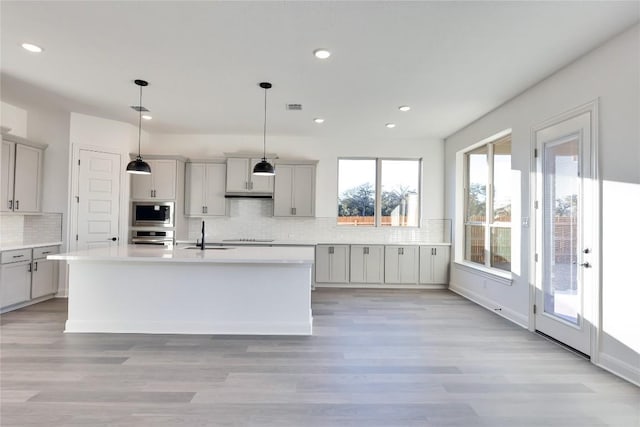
[[188, 298]]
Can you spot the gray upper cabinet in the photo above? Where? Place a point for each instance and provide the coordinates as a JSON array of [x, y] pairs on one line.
[[241, 180], [160, 184], [295, 190], [205, 187], [21, 176]]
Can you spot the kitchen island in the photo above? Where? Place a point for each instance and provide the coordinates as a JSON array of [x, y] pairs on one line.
[[171, 290]]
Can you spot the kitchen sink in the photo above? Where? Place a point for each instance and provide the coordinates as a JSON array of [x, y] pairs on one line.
[[210, 248]]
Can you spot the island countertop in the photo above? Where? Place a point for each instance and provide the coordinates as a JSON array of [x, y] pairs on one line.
[[180, 254]]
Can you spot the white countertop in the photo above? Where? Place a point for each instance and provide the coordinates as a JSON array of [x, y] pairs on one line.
[[14, 246], [233, 255]]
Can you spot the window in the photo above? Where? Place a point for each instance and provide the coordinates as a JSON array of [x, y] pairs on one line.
[[379, 192], [487, 218]]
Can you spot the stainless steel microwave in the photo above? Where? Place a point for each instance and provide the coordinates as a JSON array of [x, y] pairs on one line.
[[152, 214]]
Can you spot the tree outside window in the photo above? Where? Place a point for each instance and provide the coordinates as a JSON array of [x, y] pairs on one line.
[[398, 203]]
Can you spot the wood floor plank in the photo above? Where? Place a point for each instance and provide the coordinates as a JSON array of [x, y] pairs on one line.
[[377, 358]]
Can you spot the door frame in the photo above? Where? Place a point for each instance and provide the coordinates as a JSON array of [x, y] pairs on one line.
[[593, 298]]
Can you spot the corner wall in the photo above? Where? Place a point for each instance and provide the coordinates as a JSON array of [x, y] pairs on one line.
[[610, 73]]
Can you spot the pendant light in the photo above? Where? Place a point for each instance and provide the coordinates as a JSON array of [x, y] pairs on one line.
[[139, 166], [264, 168]]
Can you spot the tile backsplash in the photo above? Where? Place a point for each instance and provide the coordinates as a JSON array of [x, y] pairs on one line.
[[30, 229], [253, 218]]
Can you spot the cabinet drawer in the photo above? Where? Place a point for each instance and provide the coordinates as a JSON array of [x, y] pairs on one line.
[[17, 255], [44, 251]]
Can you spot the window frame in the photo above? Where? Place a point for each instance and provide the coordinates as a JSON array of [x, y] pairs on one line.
[[489, 223], [378, 191]]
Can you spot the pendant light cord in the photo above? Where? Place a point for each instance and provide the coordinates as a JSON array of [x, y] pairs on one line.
[[264, 134], [139, 121]]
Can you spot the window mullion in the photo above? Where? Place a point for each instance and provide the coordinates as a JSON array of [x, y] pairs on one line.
[[489, 207], [378, 189]]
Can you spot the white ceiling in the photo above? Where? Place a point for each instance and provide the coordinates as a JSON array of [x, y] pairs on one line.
[[450, 61]]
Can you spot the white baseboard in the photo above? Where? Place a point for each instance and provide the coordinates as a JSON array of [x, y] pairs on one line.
[[620, 368], [378, 286], [515, 317]]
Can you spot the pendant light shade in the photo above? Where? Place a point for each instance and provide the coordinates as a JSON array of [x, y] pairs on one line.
[[264, 168], [139, 166]]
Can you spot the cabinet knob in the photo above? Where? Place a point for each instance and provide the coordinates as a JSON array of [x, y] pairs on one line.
[[113, 239]]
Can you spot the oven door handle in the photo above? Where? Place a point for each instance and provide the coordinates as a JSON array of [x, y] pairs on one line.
[[145, 240]]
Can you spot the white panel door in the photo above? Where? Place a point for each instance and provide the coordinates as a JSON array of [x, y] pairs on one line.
[[565, 231], [99, 199], [27, 179], [6, 179]]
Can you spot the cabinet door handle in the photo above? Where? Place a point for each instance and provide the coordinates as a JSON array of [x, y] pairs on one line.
[[206, 209], [35, 266], [18, 256], [331, 249], [30, 267], [250, 185], [10, 204], [365, 250], [400, 251], [17, 205], [46, 252], [293, 211]]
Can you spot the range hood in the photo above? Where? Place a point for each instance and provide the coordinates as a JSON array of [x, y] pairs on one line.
[[232, 195]]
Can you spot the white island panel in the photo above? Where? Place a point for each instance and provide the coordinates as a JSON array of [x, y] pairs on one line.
[[263, 292]]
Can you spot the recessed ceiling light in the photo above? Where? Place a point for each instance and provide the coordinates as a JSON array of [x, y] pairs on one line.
[[318, 120], [322, 53], [390, 125], [31, 47], [404, 108], [147, 117]]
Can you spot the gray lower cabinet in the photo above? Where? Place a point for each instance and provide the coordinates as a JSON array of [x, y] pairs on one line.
[[15, 277], [401, 264], [434, 264], [26, 274], [332, 264], [367, 264], [44, 272]]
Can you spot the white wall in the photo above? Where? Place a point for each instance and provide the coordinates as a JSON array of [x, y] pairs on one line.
[[326, 151], [14, 118], [48, 125], [610, 73]]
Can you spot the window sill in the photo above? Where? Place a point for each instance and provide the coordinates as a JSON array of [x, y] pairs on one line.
[[498, 276]]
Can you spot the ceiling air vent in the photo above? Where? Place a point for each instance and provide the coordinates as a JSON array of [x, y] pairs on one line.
[[139, 108], [294, 107]]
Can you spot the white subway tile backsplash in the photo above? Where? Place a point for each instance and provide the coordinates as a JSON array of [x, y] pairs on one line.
[[30, 229], [253, 218]]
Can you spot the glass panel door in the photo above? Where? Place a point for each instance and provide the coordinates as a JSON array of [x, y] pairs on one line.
[[561, 284]]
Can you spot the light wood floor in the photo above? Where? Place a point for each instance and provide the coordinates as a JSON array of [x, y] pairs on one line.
[[377, 358]]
